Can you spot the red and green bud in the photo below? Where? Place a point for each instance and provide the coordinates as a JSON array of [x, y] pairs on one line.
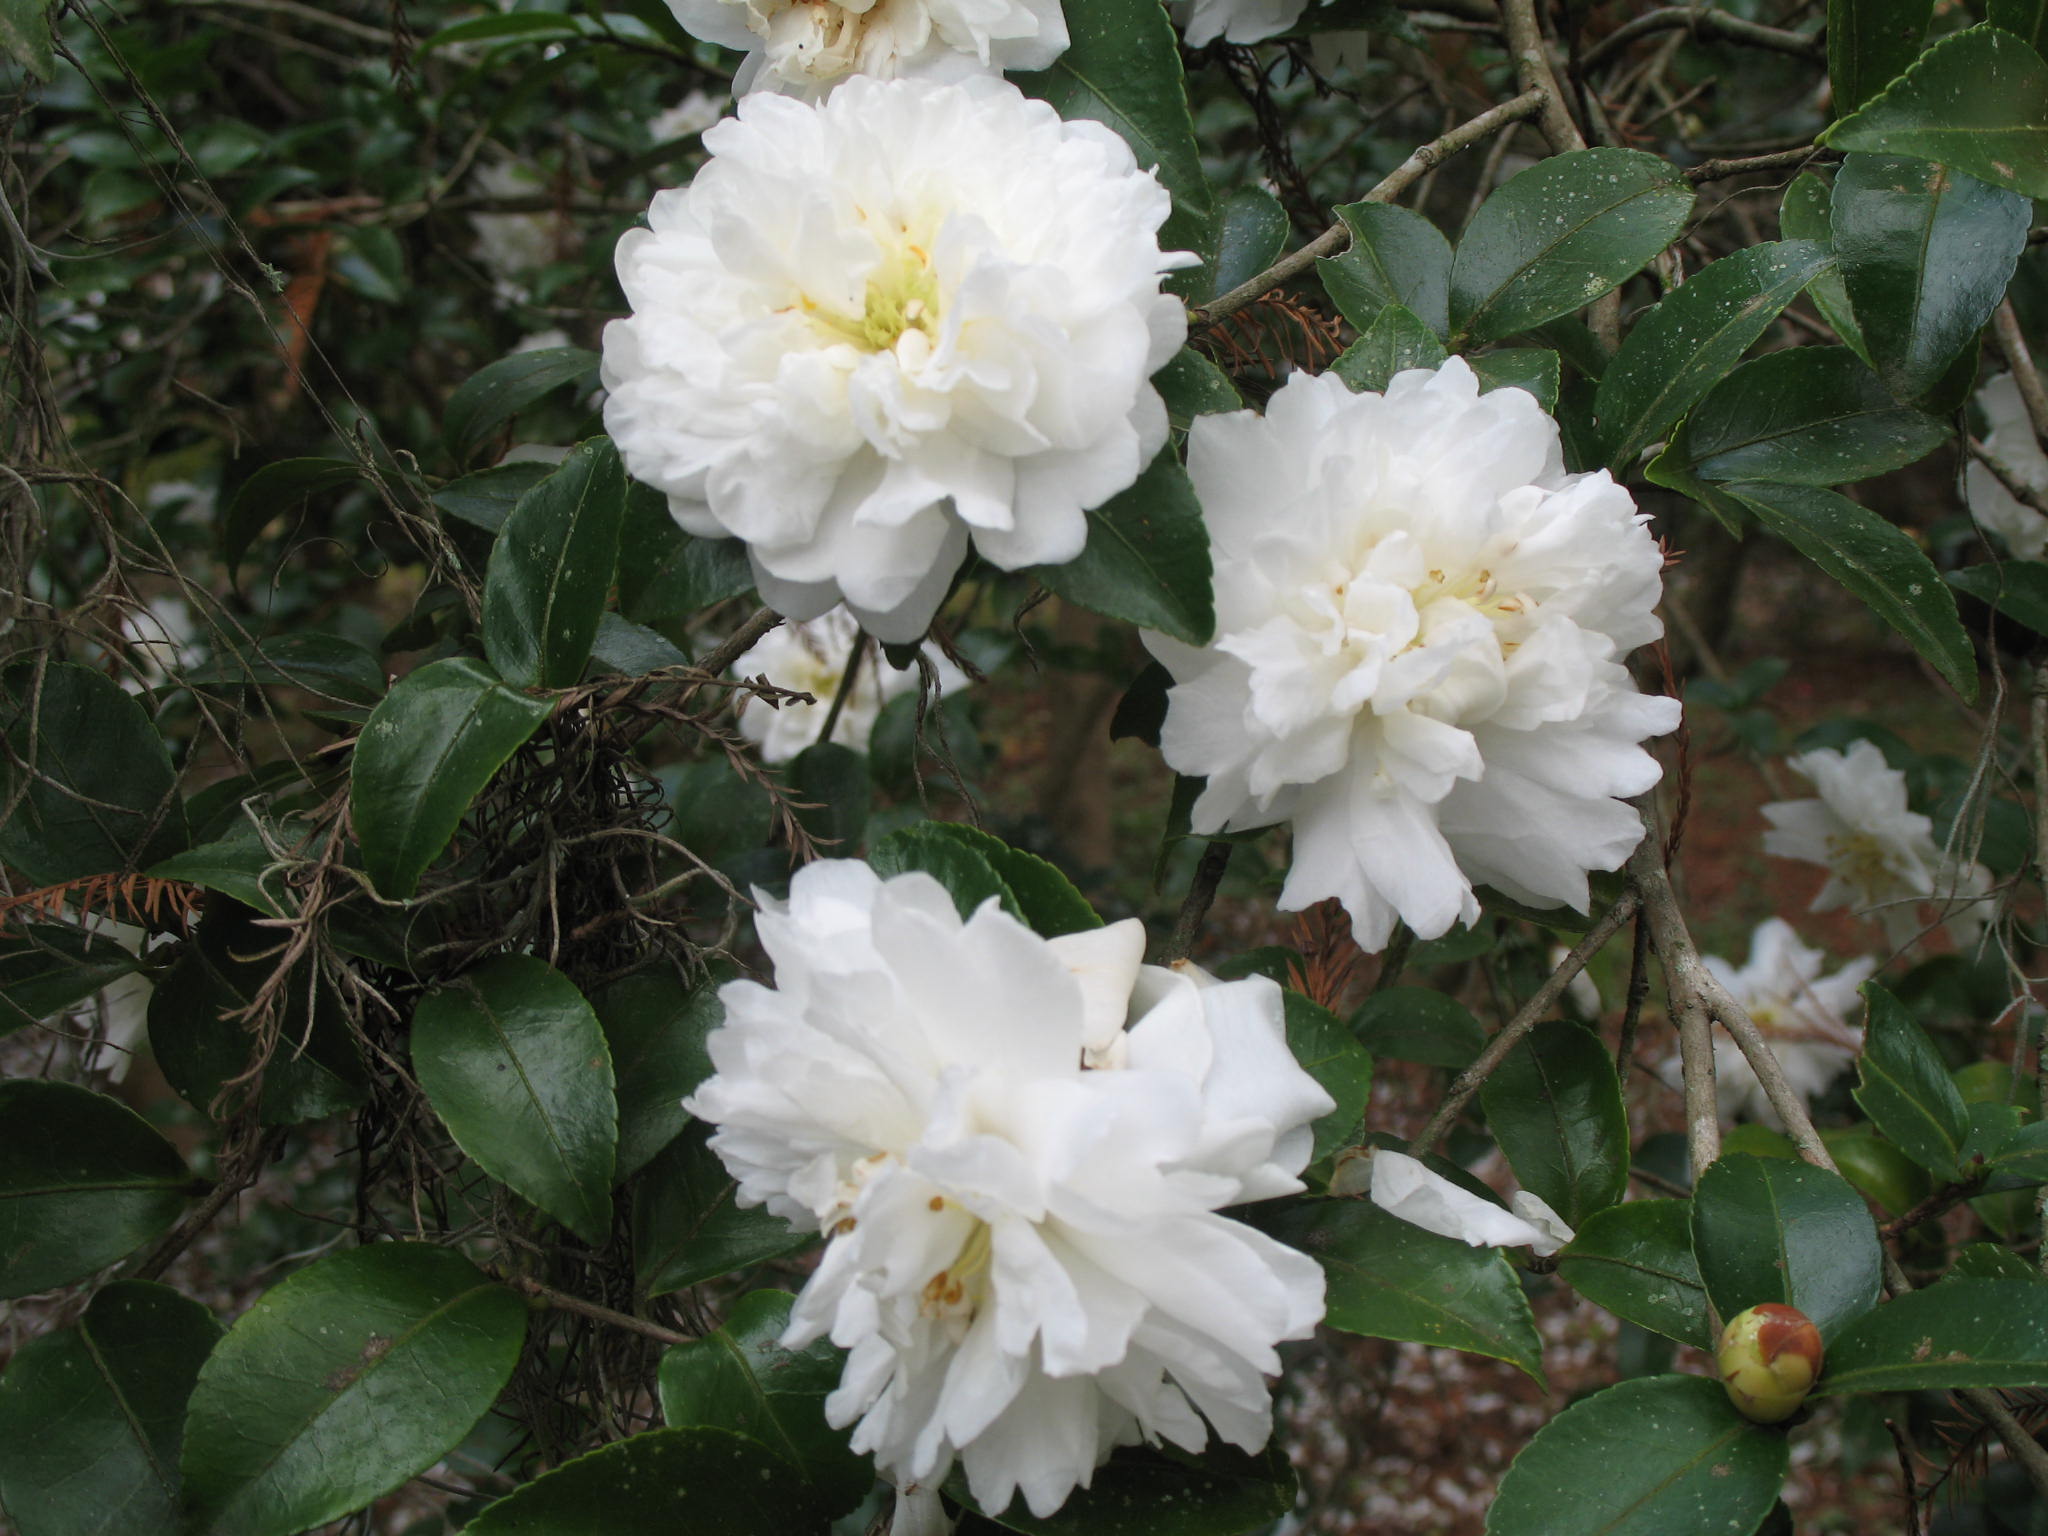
[[1769, 1357]]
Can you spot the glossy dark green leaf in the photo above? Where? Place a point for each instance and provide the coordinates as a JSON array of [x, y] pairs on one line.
[[1870, 43], [429, 749], [1162, 1492], [1395, 257], [91, 1418], [833, 781], [1554, 1105], [1988, 1261], [1687, 344], [515, 1063], [706, 1482], [493, 395], [485, 499], [2016, 588], [718, 813], [1536, 369], [1329, 1053], [1807, 214], [1770, 1229], [355, 1374], [551, 570], [738, 1378], [687, 1229], [1251, 232], [1874, 560], [665, 573], [1396, 341], [102, 797], [1636, 1261], [1956, 1333], [1804, 416], [83, 1181], [238, 864], [274, 490], [965, 872], [1926, 253], [1652, 1457], [1976, 101], [1904, 1086], [2025, 19], [1045, 898], [1559, 235], [632, 650], [1419, 1024], [326, 666], [1390, 1280], [1147, 558], [655, 1025], [1193, 386], [46, 968]]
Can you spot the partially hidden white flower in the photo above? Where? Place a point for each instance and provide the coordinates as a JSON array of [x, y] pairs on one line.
[[1404, 1186], [2010, 439], [1880, 856], [162, 642], [874, 332], [1420, 625], [116, 1016], [1019, 1148], [1235, 21], [514, 246], [811, 657], [1802, 1013], [804, 48], [693, 114]]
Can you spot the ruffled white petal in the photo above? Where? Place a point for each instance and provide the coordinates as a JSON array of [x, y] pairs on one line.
[[1404, 1187]]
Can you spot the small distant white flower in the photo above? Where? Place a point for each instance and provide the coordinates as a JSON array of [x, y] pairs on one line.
[[514, 246], [1802, 1013], [1403, 1186], [693, 114], [1018, 1148], [874, 332], [1235, 21], [804, 48], [811, 658], [2009, 439], [1420, 625], [163, 641], [116, 1016], [1880, 856]]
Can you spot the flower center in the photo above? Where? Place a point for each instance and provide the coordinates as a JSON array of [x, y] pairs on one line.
[[1860, 859], [956, 1292], [902, 296], [811, 40]]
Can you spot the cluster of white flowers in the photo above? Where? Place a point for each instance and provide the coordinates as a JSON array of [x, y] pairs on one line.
[[1421, 620], [812, 658], [1880, 855], [2010, 440], [1018, 1147]]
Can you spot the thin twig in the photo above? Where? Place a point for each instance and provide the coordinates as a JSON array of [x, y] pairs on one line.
[[562, 1301], [1719, 170], [1722, 25], [739, 642], [1201, 892], [1943, 1200], [2005, 325]]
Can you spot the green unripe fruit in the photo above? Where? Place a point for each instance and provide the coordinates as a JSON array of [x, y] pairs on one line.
[[1769, 1358]]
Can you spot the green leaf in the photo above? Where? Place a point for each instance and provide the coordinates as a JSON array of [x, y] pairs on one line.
[[1988, 1261], [1926, 253], [486, 498], [1397, 340], [1535, 369], [686, 1228], [1904, 1086], [1328, 1053], [708, 1481], [1157, 1492], [1976, 101], [1559, 235], [833, 779], [326, 666], [495, 394], [431, 746], [719, 814], [1395, 257], [1874, 560], [1652, 1457], [1807, 214], [1804, 416], [1147, 558], [1193, 386], [357, 1373], [91, 1418], [1870, 43], [46, 968], [25, 36], [965, 872], [515, 1063], [1685, 346], [2016, 588], [2025, 19], [238, 864], [632, 650], [1419, 1024], [667, 573], [740, 1379], [1769, 1229], [271, 492], [1955, 1333], [1390, 1280], [83, 1181], [1251, 232], [519, 26], [551, 570], [655, 1027], [1045, 898], [102, 797], [1554, 1105], [1636, 1261]]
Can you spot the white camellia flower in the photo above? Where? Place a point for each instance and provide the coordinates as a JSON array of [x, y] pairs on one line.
[[514, 246], [1235, 21], [1404, 1186], [811, 658], [1802, 1013], [1880, 856], [1018, 1147], [804, 48], [2009, 439], [874, 332], [1420, 620]]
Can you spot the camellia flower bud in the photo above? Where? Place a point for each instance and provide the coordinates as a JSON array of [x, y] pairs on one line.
[[1769, 1358]]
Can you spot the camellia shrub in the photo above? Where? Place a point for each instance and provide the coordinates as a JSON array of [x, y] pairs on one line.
[[576, 955]]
